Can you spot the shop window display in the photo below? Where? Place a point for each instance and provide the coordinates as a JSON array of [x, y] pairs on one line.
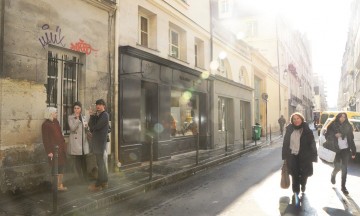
[[184, 113]]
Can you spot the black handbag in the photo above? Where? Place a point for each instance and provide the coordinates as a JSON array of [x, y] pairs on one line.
[[331, 145]]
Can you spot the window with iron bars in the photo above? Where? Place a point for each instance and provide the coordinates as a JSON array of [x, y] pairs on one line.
[[62, 84]]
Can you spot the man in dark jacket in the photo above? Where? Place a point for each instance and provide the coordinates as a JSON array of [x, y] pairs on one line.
[[281, 122], [99, 126]]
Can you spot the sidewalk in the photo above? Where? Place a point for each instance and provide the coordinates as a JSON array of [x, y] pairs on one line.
[[124, 183]]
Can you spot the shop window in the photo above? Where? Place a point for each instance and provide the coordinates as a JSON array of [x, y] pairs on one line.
[[62, 84], [223, 107], [184, 113]]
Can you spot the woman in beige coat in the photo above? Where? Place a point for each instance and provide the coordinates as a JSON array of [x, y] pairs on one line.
[[78, 145]]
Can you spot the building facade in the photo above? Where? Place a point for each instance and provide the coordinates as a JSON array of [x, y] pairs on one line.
[[167, 84], [52, 54], [349, 83]]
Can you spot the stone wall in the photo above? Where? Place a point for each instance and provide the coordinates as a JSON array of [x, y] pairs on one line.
[[31, 29]]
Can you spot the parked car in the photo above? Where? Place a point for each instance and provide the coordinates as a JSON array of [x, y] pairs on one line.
[[331, 114], [356, 125]]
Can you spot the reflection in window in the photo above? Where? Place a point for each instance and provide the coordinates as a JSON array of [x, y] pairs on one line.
[[184, 113]]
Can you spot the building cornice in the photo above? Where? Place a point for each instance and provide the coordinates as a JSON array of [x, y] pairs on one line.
[[107, 5]]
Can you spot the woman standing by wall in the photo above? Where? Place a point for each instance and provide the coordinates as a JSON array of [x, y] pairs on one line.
[[52, 137], [78, 144], [340, 132]]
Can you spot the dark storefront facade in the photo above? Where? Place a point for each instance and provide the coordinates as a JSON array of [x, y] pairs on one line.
[[160, 102]]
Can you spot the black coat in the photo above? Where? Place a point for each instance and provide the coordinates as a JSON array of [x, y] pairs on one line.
[[330, 135], [99, 127], [307, 152]]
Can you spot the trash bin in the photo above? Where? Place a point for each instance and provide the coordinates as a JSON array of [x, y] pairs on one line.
[[256, 132]]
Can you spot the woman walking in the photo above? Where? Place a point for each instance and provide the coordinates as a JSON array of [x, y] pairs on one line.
[[299, 151], [78, 144], [340, 133]]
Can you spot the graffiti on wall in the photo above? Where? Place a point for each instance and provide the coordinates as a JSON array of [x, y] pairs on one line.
[[55, 38], [82, 46], [51, 37]]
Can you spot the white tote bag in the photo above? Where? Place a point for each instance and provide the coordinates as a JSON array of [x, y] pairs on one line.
[[326, 154]]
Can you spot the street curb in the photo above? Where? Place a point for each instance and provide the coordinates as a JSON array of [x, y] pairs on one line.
[[113, 196]]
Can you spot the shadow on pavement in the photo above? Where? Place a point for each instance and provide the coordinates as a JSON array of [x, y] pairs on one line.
[[287, 208], [336, 212], [350, 206]]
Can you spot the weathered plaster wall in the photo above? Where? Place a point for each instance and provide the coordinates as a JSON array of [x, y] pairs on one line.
[[31, 29]]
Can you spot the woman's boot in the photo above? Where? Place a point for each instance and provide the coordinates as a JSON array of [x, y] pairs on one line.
[[60, 183]]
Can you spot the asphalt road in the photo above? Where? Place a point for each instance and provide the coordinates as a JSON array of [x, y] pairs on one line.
[[249, 185]]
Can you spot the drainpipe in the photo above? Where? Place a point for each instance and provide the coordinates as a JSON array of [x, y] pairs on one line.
[[111, 89], [2, 29], [115, 99], [212, 91], [211, 31]]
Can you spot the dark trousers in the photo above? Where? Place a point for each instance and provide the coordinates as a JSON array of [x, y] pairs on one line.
[[341, 163], [281, 129], [297, 177], [80, 166], [102, 172]]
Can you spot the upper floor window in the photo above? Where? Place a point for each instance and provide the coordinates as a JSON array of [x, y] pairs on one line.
[[243, 76], [147, 28], [225, 8], [62, 84], [199, 53], [196, 50], [174, 44], [251, 29], [144, 31], [222, 67], [177, 42]]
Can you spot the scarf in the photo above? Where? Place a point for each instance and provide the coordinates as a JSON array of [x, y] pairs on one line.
[[295, 140]]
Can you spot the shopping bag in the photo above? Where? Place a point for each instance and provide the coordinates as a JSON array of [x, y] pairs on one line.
[[285, 178], [326, 154]]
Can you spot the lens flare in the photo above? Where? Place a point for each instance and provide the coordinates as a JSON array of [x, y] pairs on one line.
[[214, 65], [158, 128], [187, 95], [205, 75], [222, 55]]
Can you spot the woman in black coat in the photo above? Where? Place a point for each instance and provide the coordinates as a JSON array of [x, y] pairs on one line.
[[340, 133], [299, 151]]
